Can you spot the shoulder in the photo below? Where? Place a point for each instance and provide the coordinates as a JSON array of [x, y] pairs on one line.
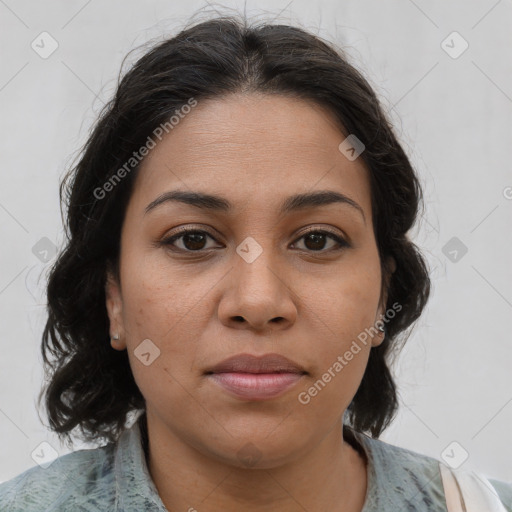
[[395, 458], [403, 478], [67, 482]]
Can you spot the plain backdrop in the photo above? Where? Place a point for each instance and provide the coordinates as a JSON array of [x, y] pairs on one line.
[[443, 71]]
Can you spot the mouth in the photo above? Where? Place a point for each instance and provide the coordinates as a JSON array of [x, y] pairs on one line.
[[249, 377]]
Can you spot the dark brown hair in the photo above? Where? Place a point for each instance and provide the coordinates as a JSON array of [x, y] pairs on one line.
[[90, 385]]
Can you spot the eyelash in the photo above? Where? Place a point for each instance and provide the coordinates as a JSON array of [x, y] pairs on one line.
[[342, 243]]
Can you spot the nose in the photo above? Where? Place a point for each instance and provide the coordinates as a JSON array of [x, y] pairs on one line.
[[258, 296]]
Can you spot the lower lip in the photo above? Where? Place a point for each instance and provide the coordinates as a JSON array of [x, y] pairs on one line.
[[256, 386]]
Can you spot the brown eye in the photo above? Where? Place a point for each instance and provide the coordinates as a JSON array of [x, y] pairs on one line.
[[315, 240], [192, 240]]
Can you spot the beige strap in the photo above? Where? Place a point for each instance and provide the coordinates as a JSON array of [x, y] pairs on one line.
[[468, 491]]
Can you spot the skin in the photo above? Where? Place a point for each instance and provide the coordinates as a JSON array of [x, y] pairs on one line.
[[201, 307]]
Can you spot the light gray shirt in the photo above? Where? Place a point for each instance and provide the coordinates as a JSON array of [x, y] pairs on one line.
[[115, 478]]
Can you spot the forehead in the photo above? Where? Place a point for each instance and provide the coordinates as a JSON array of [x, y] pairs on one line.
[[251, 148]]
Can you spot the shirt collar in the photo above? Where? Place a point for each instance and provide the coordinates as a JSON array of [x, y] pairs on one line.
[[362, 443], [135, 489]]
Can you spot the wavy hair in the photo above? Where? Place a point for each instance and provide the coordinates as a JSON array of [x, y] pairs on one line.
[[89, 385]]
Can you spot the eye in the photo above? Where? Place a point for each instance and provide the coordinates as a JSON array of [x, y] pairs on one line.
[[315, 240], [193, 240]]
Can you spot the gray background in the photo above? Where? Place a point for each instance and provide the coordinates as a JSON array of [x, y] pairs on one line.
[[452, 112]]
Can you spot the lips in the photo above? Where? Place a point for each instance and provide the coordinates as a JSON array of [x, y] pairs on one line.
[[247, 363], [248, 377]]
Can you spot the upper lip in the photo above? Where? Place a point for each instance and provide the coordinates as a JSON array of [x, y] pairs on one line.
[[247, 363]]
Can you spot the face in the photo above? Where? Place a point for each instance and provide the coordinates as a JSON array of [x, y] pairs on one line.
[[253, 278]]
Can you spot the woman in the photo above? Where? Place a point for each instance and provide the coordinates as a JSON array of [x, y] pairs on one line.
[[237, 273]]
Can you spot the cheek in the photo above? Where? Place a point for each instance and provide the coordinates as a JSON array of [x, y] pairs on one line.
[[156, 297], [347, 303], [345, 313], [162, 332], [357, 304], [154, 306]]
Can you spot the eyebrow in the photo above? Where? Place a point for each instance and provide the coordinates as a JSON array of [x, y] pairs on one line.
[[291, 204]]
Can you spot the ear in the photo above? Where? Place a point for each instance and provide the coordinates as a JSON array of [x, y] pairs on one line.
[[114, 306], [389, 268]]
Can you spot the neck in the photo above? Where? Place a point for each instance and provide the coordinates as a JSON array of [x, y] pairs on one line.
[[332, 476]]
